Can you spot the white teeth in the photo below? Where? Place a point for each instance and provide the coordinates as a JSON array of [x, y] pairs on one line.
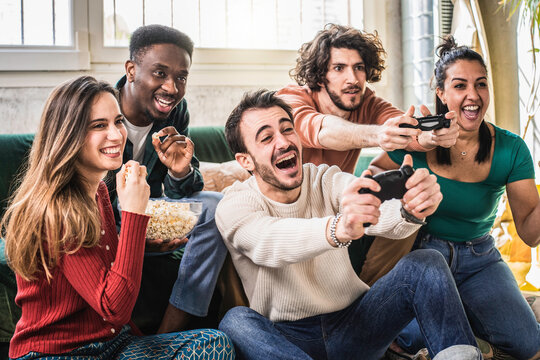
[[110, 150], [163, 102], [471, 107], [286, 158]]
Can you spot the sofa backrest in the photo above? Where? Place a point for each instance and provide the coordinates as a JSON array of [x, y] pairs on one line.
[[14, 150], [210, 144]]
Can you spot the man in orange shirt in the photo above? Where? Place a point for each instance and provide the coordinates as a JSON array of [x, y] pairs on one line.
[[336, 115]]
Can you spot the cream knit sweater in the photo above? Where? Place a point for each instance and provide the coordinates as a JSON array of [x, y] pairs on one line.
[[288, 269]]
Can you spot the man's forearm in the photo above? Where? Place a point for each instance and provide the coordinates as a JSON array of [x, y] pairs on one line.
[[339, 134]]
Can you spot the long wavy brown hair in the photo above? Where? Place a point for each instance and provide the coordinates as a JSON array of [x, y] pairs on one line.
[[51, 213], [313, 57]]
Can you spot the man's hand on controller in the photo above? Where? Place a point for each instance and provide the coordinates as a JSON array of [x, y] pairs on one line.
[[357, 208], [391, 136], [445, 137], [423, 194]]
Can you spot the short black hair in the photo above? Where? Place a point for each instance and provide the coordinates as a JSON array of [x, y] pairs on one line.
[[148, 35], [259, 99]]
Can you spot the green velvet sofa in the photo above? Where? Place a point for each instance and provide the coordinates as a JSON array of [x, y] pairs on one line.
[[210, 146]]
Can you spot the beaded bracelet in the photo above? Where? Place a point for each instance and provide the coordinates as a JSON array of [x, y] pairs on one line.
[[338, 243]]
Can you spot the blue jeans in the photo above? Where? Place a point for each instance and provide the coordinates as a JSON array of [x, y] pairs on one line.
[[419, 286], [497, 311], [203, 258]]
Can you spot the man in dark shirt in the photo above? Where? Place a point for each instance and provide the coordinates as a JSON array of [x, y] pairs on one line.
[[152, 101]]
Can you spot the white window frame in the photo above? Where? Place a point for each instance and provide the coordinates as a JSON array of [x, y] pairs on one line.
[[117, 54], [239, 67], [53, 58], [27, 67]]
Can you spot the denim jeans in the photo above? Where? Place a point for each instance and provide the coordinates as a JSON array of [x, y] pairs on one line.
[[419, 286], [203, 258], [497, 311]]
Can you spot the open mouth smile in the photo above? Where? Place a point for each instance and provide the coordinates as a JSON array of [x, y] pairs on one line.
[[286, 162], [471, 112], [112, 151], [164, 104]]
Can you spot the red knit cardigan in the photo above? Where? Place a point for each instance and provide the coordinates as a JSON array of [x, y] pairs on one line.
[[92, 292]]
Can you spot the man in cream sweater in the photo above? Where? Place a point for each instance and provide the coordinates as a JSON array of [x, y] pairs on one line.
[[287, 229]]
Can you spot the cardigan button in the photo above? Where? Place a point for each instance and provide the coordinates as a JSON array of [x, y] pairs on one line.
[[102, 232], [113, 331], [107, 247], [112, 263]]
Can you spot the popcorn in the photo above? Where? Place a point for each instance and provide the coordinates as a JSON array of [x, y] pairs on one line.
[[155, 136], [169, 220], [128, 171]]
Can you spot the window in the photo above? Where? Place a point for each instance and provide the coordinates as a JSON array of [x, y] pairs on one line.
[[259, 33], [231, 24], [43, 35], [18, 19], [254, 32]]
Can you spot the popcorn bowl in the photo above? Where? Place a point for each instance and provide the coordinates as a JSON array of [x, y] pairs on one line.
[[171, 218]]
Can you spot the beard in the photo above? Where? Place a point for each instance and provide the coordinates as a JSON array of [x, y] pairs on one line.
[[337, 100], [152, 119], [268, 176]]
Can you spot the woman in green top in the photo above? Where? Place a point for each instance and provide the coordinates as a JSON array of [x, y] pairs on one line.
[[473, 175]]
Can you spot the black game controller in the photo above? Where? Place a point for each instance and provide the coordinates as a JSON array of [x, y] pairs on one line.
[[427, 123], [392, 184]]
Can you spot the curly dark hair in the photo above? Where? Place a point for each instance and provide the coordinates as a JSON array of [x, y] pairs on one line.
[[148, 35], [259, 99], [312, 62]]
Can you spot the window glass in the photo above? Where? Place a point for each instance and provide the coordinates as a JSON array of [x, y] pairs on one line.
[[232, 24], [36, 23]]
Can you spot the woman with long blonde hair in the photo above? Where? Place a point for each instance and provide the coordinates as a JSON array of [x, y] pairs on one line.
[[77, 279]]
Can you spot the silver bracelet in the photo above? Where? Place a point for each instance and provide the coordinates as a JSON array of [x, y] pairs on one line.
[[338, 243]]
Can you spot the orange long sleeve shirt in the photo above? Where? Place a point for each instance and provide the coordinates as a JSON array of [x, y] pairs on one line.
[[308, 120]]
